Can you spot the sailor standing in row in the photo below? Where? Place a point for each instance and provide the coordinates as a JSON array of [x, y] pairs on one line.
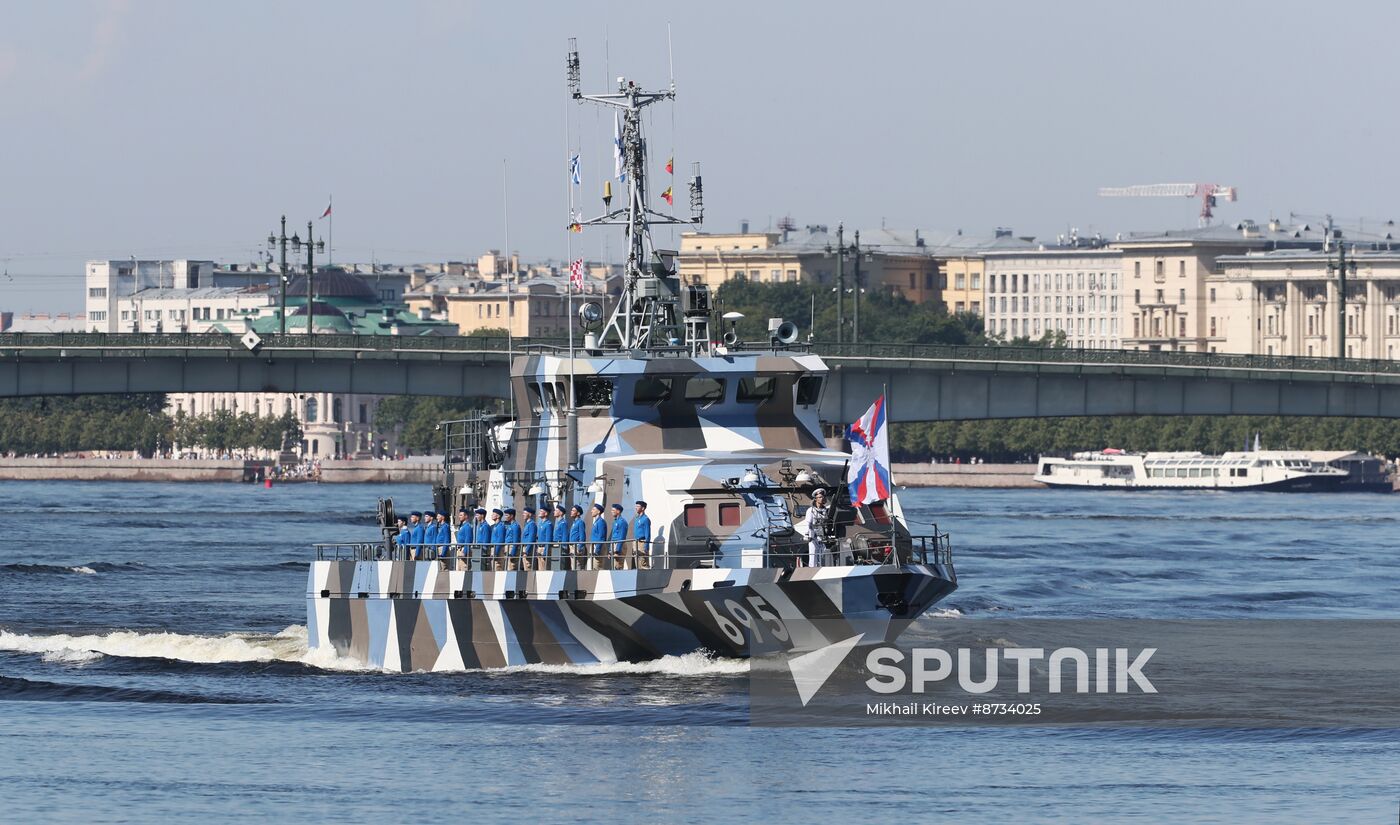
[[415, 534], [497, 536], [641, 533], [576, 538], [511, 539], [442, 536], [465, 531], [561, 535], [402, 537], [544, 536], [528, 532], [481, 535], [617, 538], [598, 534]]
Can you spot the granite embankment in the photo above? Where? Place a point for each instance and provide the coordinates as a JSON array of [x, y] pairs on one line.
[[160, 469], [418, 470], [965, 475]]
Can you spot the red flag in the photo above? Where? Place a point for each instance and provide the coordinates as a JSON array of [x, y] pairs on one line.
[[666, 196], [327, 213], [576, 274], [671, 166]]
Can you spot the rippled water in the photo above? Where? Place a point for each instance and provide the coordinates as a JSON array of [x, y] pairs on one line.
[[153, 663]]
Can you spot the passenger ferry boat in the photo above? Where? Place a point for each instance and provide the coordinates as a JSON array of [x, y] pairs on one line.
[[723, 442], [1257, 470]]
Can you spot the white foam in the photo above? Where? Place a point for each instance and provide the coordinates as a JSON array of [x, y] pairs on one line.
[[688, 665], [84, 569], [945, 613], [289, 645]]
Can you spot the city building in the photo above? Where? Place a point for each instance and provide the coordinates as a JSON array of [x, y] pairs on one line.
[[1070, 288], [199, 309], [1165, 274], [533, 303], [109, 281], [334, 425], [1284, 302], [922, 267], [961, 265], [42, 322]]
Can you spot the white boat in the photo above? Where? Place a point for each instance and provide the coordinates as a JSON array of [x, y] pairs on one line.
[[1255, 470]]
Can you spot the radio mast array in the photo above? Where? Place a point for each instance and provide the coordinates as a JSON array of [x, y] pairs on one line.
[[649, 313]]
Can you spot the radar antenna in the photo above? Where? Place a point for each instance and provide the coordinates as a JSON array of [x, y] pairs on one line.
[[651, 313]]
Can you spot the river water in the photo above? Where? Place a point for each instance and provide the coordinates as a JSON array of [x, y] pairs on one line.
[[153, 664]]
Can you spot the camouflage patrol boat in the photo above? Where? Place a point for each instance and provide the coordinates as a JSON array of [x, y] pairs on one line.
[[722, 441]]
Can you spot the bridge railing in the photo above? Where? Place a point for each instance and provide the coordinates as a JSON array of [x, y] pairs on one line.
[[1073, 355], [503, 345]]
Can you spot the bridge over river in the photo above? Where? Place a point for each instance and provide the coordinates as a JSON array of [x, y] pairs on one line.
[[925, 382]]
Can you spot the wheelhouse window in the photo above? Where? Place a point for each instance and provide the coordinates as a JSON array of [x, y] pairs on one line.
[[757, 389], [593, 392], [809, 390], [652, 390], [695, 515], [536, 402], [729, 515], [704, 391]]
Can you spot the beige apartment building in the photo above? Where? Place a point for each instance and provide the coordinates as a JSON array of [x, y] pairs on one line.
[[922, 267], [530, 305], [1285, 303], [1074, 289], [1166, 304]]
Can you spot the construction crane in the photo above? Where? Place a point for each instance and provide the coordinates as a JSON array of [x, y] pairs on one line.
[[1209, 193]]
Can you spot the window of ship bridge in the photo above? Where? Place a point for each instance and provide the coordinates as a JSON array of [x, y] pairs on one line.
[[704, 390]]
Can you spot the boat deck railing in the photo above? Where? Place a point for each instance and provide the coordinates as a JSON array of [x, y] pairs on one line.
[[629, 554]]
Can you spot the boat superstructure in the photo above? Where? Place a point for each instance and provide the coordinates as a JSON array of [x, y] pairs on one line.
[[1254, 470], [721, 440]]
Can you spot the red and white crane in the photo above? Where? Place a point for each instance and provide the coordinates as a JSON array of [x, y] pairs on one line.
[[1209, 193]]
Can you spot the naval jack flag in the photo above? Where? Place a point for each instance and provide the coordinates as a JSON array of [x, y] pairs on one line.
[[869, 475]]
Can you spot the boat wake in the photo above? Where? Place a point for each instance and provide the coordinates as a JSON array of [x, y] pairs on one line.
[[689, 665], [287, 646]]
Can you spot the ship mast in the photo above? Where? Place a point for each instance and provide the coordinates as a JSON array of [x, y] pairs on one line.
[[652, 312]]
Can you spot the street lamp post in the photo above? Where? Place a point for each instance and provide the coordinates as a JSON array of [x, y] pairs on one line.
[[275, 242], [855, 331], [840, 253], [1341, 268], [311, 249]]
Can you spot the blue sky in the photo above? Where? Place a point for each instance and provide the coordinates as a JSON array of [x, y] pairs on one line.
[[177, 129]]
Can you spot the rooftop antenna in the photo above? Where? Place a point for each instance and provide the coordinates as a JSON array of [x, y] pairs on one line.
[[649, 311]]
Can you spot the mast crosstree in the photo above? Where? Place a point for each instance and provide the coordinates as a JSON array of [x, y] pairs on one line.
[[653, 312]]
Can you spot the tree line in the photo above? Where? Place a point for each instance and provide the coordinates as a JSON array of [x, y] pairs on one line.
[[137, 422]]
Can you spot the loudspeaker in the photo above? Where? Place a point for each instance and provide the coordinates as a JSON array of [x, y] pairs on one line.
[[731, 338], [786, 333]]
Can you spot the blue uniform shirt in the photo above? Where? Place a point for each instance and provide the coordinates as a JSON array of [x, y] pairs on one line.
[[498, 533], [404, 537], [641, 527], [528, 533], [544, 531], [576, 532], [512, 537], [619, 531], [598, 534], [415, 535], [464, 533], [441, 534], [561, 529], [483, 532]]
